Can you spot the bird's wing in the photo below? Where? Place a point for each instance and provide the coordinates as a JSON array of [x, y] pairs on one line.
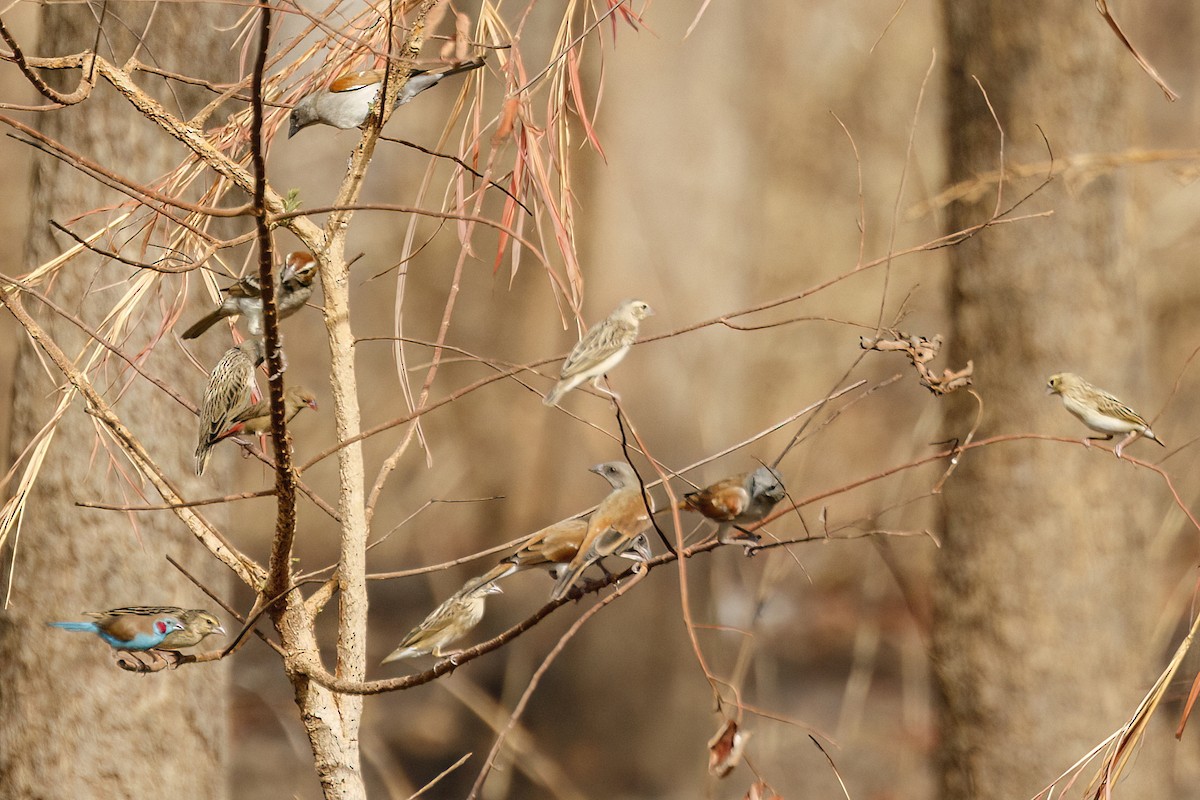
[[722, 501], [356, 80], [127, 628], [599, 343], [1111, 406]]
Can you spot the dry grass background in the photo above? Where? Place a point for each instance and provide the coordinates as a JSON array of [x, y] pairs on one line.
[[726, 182]]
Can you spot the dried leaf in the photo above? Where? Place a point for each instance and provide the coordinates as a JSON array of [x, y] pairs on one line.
[[761, 791], [725, 749]]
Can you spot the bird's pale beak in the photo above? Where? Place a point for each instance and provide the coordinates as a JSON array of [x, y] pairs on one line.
[[312, 404], [219, 629]]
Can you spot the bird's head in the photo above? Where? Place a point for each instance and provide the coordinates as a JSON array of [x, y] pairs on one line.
[[634, 310], [202, 622], [1058, 383], [618, 473], [303, 114], [300, 266], [766, 482], [298, 397], [165, 625]]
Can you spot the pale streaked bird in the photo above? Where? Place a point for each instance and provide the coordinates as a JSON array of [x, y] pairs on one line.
[[600, 349], [349, 99], [738, 500], [447, 623], [614, 527], [1099, 410], [227, 394]]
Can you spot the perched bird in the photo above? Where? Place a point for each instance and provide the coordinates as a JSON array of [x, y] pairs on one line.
[[128, 631], [349, 99], [600, 349], [737, 500], [614, 526], [1099, 410], [293, 288], [553, 546], [447, 623], [256, 419], [197, 623], [227, 395]]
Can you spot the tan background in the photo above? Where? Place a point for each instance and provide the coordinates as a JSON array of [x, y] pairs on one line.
[[727, 182]]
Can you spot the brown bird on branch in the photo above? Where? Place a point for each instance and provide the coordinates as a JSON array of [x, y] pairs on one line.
[[614, 527], [292, 289], [349, 99], [736, 501], [229, 392]]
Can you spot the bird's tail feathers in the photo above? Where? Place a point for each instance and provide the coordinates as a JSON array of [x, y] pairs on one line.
[[554, 396], [567, 579], [501, 570], [400, 653], [89, 627], [203, 324], [466, 66], [202, 454]]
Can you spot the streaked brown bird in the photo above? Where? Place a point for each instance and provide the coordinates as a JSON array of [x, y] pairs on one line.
[[294, 285], [1099, 410], [228, 394], [349, 99], [614, 526], [738, 500], [197, 623], [600, 349], [447, 623]]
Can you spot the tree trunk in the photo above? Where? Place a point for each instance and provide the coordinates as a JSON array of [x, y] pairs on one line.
[[1042, 618], [74, 724]]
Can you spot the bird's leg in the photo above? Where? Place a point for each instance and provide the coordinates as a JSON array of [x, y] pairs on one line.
[[1087, 440], [172, 658], [1129, 437], [601, 384], [747, 539]]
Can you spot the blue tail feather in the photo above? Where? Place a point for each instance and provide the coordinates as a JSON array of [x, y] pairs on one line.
[[89, 627]]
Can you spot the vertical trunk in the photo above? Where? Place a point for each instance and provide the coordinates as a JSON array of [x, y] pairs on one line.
[[74, 724], [1042, 619]]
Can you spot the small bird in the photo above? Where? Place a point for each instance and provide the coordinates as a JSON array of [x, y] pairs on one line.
[[553, 546], [1099, 410], [349, 99], [736, 501], [293, 288], [257, 418], [128, 631], [228, 394], [197, 623], [447, 623], [614, 526], [600, 349]]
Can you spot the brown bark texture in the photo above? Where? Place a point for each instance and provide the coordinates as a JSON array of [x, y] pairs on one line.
[[76, 726], [1041, 615]]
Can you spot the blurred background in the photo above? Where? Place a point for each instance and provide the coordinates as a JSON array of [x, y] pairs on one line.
[[727, 180]]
